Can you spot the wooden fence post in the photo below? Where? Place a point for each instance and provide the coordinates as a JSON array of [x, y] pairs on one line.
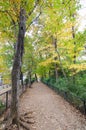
[[6, 99], [84, 102]]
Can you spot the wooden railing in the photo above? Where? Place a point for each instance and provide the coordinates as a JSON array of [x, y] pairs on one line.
[[5, 91]]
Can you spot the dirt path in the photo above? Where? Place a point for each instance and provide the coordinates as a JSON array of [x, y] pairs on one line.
[[49, 110]]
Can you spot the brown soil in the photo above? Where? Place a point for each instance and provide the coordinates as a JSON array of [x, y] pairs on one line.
[[48, 111]]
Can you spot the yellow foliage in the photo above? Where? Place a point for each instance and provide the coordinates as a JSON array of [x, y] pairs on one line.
[[78, 67], [46, 62]]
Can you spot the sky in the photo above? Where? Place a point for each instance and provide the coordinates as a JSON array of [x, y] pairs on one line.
[[82, 17]]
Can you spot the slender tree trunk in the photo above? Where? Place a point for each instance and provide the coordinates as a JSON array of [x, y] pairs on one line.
[[49, 73], [73, 36], [22, 83], [56, 66], [16, 67], [30, 79], [64, 74], [74, 61], [36, 77]]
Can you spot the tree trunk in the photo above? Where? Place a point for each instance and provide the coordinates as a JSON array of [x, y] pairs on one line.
[[73, 36], [64, 74], [36, 77], [56, 58], [49, 74], [16, 67], [74, 61], [22, 82], [21, 77], [30, 79]]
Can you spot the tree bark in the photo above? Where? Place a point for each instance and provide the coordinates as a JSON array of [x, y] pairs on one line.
[[16, 67]]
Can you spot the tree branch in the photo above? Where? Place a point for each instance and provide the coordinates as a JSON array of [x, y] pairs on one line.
[[35, 19], [8, 13], [36, 3]]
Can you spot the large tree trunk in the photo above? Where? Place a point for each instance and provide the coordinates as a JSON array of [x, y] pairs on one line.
[[16, 67]]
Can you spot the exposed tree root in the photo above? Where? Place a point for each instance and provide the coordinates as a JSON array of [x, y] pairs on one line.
[[27, 113], [11, 127], [26, 117], [24, 124], [22, 118], [24, 121]]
